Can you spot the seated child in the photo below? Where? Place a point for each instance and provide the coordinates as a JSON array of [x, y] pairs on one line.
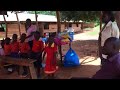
[[37, 50], [51, 51], [14, 47], [7, 52], [1, 47], [24, 49], [7, 47]]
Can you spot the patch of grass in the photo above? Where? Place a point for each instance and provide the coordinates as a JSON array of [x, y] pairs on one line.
[[94, 32]]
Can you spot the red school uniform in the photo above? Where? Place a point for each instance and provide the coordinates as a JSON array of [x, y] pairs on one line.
[[50, 66], [15, 47], [7, 49], [37, 46], [24, 47]]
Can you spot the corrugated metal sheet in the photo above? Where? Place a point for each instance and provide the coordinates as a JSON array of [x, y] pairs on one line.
[[24, 16]]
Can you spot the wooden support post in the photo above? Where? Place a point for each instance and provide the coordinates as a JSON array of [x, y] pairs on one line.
[[58, 31], [18, 23], [36, 19], [58, 22], [6, 25]]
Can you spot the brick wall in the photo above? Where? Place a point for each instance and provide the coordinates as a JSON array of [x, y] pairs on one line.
[[13, 28]]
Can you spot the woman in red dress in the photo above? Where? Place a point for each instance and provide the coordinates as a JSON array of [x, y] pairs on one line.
[[51, 51]]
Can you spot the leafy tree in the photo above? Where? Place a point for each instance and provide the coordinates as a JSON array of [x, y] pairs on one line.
[[43, 12], [87, 16]]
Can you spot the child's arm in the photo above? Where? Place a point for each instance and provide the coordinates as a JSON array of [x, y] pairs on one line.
[[30, 35], [44, 53]]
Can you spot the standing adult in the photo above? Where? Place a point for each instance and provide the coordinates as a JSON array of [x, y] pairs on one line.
[[30, 29], [71, 31], [110, 29]]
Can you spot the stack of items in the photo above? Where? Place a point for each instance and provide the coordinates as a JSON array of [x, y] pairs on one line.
[[62, 38]]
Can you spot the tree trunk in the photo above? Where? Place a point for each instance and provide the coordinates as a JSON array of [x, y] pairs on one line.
[[58, 22], [82, 27], [58, 31]]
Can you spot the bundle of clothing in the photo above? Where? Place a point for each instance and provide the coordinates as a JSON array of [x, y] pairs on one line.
[[63, 38]]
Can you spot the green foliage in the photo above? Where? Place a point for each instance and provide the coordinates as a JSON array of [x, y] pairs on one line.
[[87, 16], [95, 31], [43, 12]]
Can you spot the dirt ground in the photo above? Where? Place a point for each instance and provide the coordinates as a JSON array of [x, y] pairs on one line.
[[86, 48]]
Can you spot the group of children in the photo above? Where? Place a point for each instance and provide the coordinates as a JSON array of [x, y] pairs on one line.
[[21, 49]]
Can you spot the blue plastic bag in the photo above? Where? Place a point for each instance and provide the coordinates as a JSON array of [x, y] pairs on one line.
[[71, 59]]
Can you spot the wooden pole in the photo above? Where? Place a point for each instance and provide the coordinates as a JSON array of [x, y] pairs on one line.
[[58, 31], [18, 23], [58, 22], [6, 26], [36, 19]]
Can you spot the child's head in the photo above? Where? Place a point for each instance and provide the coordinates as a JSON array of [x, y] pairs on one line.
[[23, 37], [51, 39], [14, 37], [7, 40], [2, 43], [37, 35], [111, 46], [28, 22]]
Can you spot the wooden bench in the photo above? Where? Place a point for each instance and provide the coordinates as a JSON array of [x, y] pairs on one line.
[[20, 62]]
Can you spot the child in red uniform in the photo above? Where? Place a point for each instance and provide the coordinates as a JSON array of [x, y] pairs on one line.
[[7, 47], [37, 50], [51, 51], [1, 47], [7, 52], [24, 49], [14, 47]]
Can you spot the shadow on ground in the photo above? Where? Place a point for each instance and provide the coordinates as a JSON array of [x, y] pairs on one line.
[[62, 73]]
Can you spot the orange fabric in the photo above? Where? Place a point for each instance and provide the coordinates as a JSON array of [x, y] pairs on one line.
[[7, 49], [37, 46], [15, 47], [24, 47]]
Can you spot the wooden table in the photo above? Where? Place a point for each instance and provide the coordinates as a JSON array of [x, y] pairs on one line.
[[20, 62]]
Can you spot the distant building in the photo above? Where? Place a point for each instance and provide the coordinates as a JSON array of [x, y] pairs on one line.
[[47, 22]]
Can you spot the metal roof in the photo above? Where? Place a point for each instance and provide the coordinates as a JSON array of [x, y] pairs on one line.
[[23, 16]]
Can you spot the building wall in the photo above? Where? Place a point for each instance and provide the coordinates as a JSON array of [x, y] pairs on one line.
[[53, 27], [13, 28]]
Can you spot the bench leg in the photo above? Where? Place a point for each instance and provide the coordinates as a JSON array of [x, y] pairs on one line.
[[2, 66], [32, 71]]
